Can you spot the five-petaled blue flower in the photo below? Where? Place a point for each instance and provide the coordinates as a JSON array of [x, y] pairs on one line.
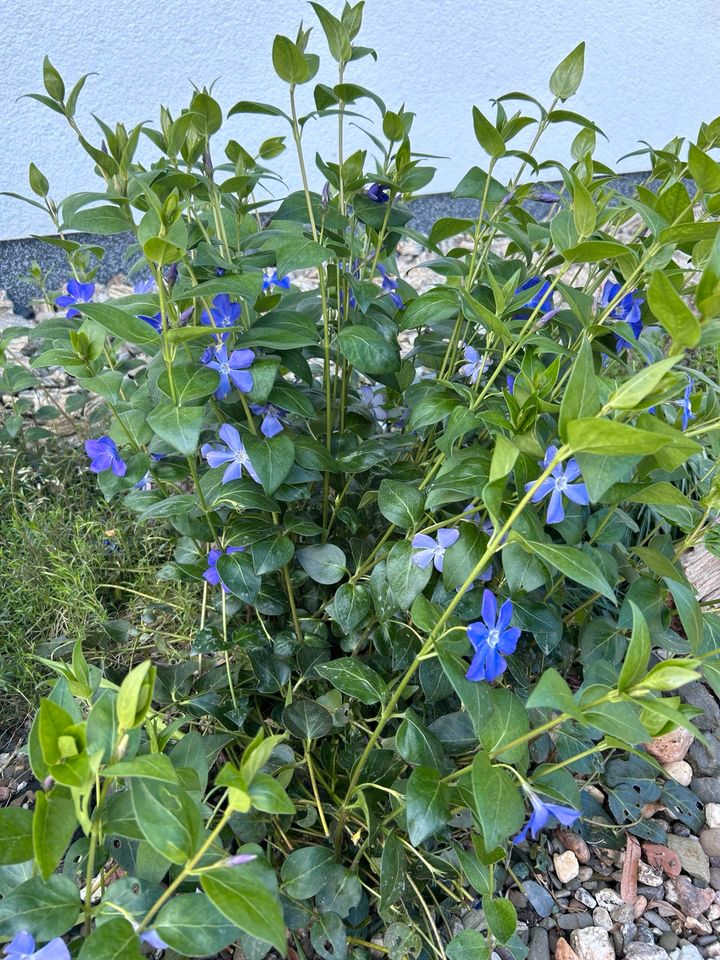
[[474, 366], [390, 287], [558, 485], [378, 192], [542, 298], [223, 313], [22, 947], [272, 418], [272, 279], [76, 293], [232, 452], [375, 400], [541, 813], [428, 550], [211, 574], [104, 455], [145, 285], [155, 320], [493, 639], [687, 414], [626, 309], [233, 369]]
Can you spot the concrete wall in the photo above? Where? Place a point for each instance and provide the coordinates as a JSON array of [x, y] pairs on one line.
[[651, 72]]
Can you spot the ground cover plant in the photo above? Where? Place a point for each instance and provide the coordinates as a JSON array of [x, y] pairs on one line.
[[438, 536]]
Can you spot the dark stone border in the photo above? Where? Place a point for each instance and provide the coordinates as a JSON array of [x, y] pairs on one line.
[[16, 256]]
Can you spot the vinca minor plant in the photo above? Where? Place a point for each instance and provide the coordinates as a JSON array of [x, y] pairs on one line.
[[436, 537]]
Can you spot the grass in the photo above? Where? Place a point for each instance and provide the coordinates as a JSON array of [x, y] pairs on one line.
[[74, 566]]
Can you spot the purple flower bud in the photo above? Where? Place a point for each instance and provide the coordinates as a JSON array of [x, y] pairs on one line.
[[240, 858], [325, 196], [48, 783]]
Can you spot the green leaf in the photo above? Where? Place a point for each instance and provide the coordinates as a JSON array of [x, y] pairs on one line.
[[268, 795], [271, 457], [323, 562], [290, 65], [475, 697], [272, 554], [328, 937], [401, 503], [354, 678], [619, 720], [507, 723], [105, 221], [487, 135], [124, 326], [47, 907], [468, 945], [638, 652], [247, 905], [299, 253], [672, 312], [704, 170], [178, 426], [613, 438], [593, 251], [337, 36], [307, 720], [416, 744], [191, 381], [115, 939], [154, 766], [53, 824], [393, 870], [581, 397], [191, 925], [567, 76], [552, 691], [406, 579], [498, 801], [574, 563], [238, 574], [501, 917], [16, 831], [629, 394], [350, 605], [427, 804], [306, 871], [367, 350], [169, 820]]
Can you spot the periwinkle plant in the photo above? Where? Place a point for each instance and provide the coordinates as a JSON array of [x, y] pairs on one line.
[[361, 728]]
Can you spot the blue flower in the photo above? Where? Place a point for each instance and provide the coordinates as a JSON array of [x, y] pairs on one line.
[[272, 418], [223, 313], [104, 455], [510, 381], [475, 365], [231, 451], [76, 293], [376, 400], [232, 369], [145, 285], [152, 938], [687, 414], [558, 485], [542, 298], [428, 550], [211, 574], [155, 320], [626, 310], [493, 639], [378, 192], [541, 814], [271, 280], [144, 483], [390, 286], [22, 947]]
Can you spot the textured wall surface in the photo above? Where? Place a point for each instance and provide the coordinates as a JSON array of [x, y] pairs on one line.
[[651, 72]]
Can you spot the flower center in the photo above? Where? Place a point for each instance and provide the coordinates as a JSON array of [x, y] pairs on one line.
[[225, 368], [561, 483], [493, 637]]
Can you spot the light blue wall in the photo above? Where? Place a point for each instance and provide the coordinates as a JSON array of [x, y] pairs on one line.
[[651, 71]]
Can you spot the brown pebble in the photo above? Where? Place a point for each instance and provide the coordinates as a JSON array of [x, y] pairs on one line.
[[563, 950], [571, 841], [693, 900], [672, 746]]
